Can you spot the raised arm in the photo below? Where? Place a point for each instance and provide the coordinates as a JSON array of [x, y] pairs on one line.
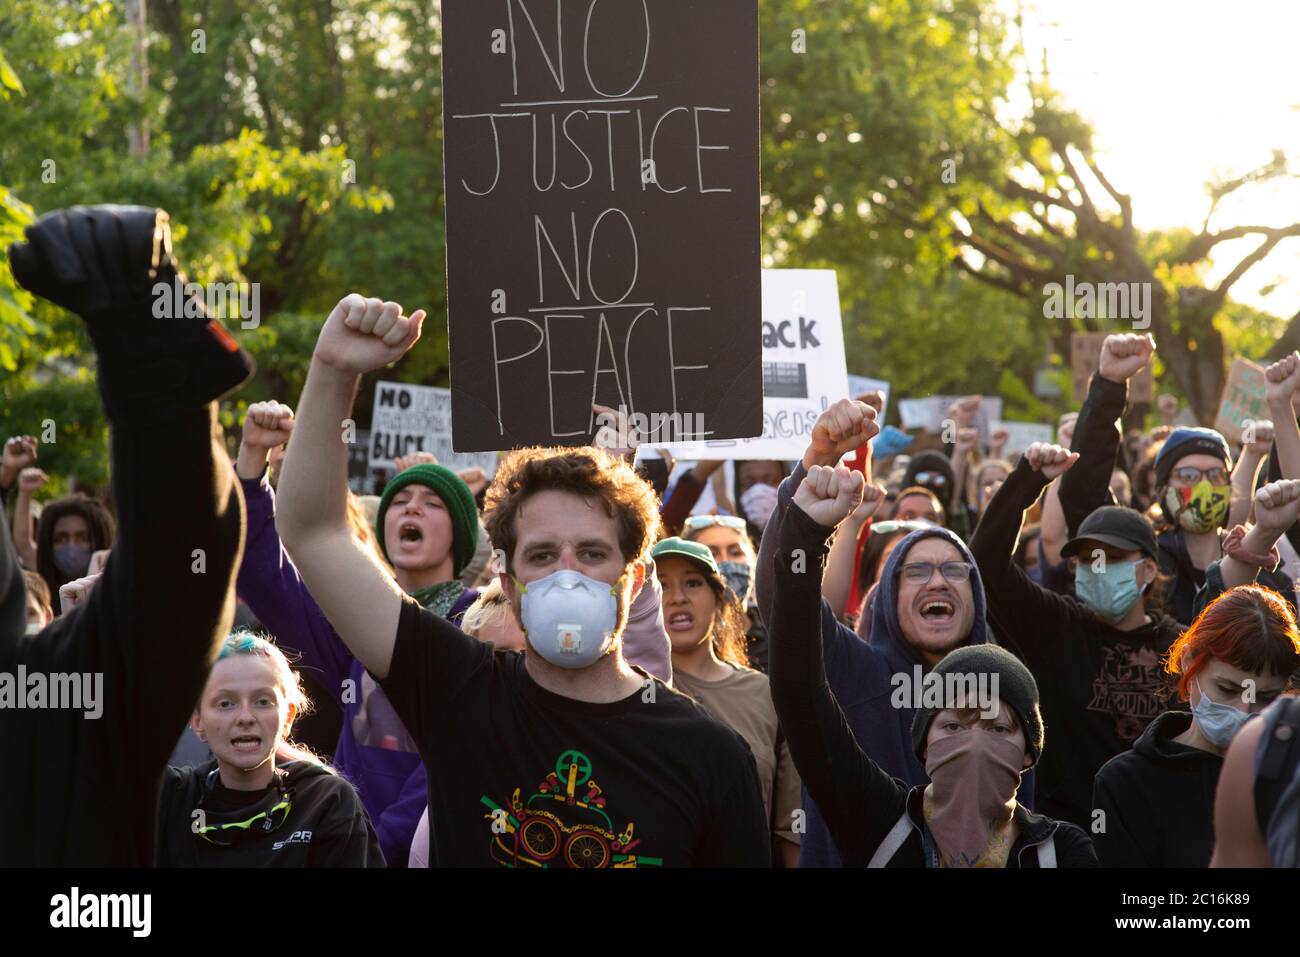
[[845, 426], [859, 800], [1053, 529], [1257, 438], [268, 581], [1086, 487], [29, 480], [837, 580], [357, 594], [1281, 382], [1276, 507], [1012, 596]]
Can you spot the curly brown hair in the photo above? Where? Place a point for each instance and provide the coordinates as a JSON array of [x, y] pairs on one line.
[[730, 624], [588, 472]]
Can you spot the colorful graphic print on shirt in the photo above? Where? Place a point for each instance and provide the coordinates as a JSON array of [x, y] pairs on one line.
[[563, 824]]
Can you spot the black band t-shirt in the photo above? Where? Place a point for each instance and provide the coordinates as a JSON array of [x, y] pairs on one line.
[[522, 777]]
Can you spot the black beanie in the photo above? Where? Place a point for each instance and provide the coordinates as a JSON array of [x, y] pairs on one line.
[[1016, 687]]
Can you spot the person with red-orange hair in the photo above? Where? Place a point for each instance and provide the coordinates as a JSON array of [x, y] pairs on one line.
[[1153, 806]]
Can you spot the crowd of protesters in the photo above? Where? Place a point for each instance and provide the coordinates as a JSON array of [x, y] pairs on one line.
[[1078, 654]]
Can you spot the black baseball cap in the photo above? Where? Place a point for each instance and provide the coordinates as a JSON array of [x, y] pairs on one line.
[[1118, 526]]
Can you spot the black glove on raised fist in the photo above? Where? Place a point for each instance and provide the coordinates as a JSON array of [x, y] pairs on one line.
[[103, 263]]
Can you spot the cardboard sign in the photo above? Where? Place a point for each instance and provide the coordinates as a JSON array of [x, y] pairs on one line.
[[603, 219], [1085, 357], [417, 418], [803, 367], [1021, 435], [1242, 400]]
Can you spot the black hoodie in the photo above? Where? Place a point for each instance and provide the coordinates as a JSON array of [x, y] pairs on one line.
[[327, 826], [1157, 800]]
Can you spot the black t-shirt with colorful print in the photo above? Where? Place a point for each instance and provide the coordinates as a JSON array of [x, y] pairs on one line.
[[522, 777]]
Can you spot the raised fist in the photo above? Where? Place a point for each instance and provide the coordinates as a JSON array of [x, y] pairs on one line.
[[963, 411], [404, 462], [75, 592], [361, 335], [872, 497], [1123, 356], [29, 480], [160, 355], [19, 453], [1277, 505], [267, 425], [1282, 379], [1052, 461], [829, 493], [967, 438], [475, 478], [846, 425], [1257, 437]]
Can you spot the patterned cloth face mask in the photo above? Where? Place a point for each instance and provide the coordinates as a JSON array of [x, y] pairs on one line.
[[1199, 509]]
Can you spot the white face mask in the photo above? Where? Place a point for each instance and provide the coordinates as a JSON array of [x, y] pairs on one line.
[[569, 619], [35, 628]]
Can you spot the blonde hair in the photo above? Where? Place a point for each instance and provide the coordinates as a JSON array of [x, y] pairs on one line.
[[243, 642], [492, 607]]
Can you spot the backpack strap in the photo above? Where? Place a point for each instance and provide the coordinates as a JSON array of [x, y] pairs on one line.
[[1277, 762], [1047, 852], [895, 839]]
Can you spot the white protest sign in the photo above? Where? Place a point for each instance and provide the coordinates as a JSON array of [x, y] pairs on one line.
[[417, 418], [1021, 435], [803, 367], [929, 413]]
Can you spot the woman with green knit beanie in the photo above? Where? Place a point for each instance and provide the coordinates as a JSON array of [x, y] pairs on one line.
[[427, 528]]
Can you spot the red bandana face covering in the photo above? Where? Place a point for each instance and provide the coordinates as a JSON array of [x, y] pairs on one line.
[[974, 776]]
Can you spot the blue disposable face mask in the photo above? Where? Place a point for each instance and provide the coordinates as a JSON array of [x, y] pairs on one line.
[[1218, 722], [1110, 592]]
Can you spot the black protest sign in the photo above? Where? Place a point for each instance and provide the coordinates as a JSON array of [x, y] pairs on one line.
[[601, 164]]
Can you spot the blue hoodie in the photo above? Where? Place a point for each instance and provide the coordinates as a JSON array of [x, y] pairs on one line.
[[861, 673]]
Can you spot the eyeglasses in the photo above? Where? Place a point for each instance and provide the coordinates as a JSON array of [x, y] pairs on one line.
[[1188, 476], [918, 572], [930, 478], [707, 521], [909, 525]]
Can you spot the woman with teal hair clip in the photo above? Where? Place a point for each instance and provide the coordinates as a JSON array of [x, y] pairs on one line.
[[261, 801]]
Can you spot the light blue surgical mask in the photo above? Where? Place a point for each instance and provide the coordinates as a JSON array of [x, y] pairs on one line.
[[1110, 592], [1218, 722]]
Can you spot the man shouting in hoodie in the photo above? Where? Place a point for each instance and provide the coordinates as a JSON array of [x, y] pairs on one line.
[[917, 620]]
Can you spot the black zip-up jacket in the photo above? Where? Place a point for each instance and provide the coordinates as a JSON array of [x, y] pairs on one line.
[[327, 825], [1086, 487], [860, 802], [1099, 686], [1157, 800]]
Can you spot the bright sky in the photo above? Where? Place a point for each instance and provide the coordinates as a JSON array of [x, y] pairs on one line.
[[1179, 91]]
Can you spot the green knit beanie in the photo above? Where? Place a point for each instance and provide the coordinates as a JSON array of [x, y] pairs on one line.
[[1016, 687], [455, 494]]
